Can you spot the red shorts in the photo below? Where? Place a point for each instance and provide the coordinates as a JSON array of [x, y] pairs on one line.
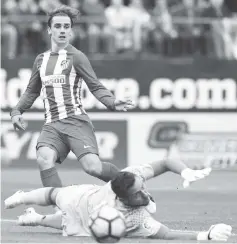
[[75, 133]]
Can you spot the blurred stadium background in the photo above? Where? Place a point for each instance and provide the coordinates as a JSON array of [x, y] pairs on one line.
[[175, 58]]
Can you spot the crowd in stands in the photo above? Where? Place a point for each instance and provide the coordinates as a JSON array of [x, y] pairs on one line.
[[171, 28]]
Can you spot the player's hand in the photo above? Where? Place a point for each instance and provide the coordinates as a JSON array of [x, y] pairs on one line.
[[219, 232], [18, 122], [190, 175], [123, 105]]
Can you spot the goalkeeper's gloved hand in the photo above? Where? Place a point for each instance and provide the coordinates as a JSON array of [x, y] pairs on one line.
[[190, 175], [218, 232]]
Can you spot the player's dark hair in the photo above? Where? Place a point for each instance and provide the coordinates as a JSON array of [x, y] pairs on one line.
[[63, 10], [123, 181]]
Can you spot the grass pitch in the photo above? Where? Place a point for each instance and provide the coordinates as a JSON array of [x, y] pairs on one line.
[[210, 201]]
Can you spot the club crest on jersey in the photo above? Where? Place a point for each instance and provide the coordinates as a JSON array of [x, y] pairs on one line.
[[64, 64]]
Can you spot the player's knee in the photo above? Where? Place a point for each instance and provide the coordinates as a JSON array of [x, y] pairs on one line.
[[45, 162], [46, 159], [91, 164]]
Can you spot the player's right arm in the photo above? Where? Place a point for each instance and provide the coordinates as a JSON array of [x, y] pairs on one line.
[[27, 99], [218, 232], [151, 228]]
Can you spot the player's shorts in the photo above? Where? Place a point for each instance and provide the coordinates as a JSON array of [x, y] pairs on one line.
[[73, 202], [75, 133]]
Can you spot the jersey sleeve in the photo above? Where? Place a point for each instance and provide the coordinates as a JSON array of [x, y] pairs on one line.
[[32, 91], [143, 225], [84, 69], [145, 171], [150, 227]]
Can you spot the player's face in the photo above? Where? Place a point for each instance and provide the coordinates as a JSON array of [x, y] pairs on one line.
[[137, 195], [61, 29]]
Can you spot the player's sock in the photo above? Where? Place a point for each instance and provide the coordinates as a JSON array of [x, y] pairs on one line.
[[109, 172], [39, 196], [50, 178], [52, 220]]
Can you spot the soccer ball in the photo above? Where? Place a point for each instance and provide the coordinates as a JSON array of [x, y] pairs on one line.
[[107, 225]]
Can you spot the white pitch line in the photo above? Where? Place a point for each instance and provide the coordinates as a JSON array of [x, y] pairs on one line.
[[15, 221], [8, 220]]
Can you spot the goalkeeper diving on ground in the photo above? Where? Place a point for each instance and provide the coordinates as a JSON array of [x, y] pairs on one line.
[[126, 192]]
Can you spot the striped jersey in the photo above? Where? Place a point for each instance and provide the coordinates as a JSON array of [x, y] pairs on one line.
[[58, 77]]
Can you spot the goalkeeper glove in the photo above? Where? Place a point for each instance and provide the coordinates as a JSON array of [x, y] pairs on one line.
[[218, 232], [190, 175]]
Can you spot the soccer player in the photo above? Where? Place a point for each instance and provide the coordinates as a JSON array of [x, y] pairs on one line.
[[57, 76], [126, 192]]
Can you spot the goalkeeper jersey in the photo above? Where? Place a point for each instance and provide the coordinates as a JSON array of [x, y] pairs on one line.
[[139, 220], [78, 202]]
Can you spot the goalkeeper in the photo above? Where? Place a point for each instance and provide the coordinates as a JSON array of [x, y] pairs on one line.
[[127, 193]]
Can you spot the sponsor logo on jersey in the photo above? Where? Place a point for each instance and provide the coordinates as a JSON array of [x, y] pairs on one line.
[[53, 79]]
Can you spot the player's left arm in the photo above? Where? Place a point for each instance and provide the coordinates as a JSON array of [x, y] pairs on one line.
[[145, 171], [175, 165], [84, 69], [150, 170], [154, 169]]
